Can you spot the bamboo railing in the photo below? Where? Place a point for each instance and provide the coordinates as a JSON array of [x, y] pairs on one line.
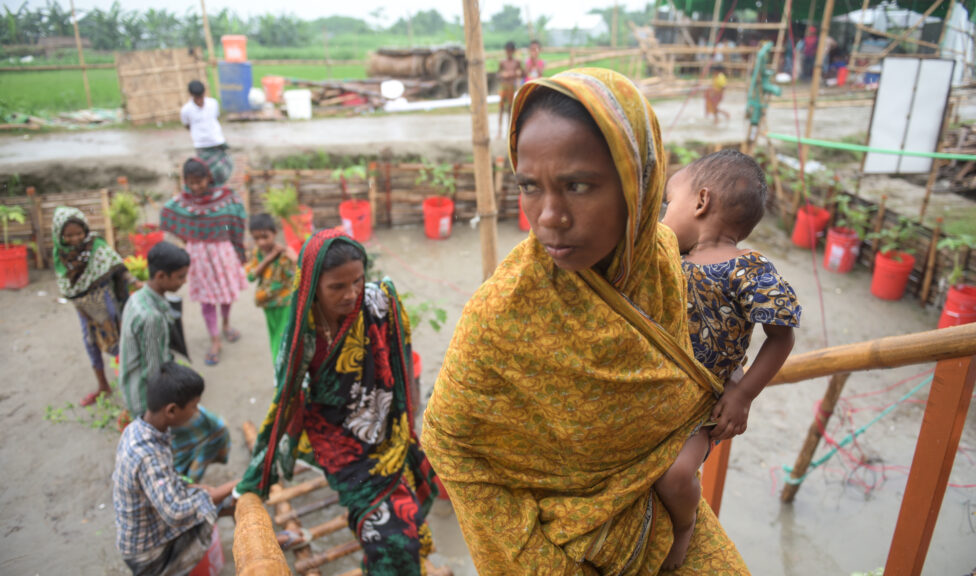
[[954, 350]]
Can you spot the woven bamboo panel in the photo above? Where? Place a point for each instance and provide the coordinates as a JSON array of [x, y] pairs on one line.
[[154, 82]]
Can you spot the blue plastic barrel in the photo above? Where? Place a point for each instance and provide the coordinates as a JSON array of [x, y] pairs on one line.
[[235, 85]]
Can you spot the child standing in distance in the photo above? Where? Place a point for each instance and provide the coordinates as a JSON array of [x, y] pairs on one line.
[[712, 205], [164, 525], [534, 66], [272, 266], [715, 92], [145, 348], [509, 73], [93, 277], [200, 116], [210, 219]]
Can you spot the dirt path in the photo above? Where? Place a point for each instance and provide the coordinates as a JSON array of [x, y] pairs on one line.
[[432, 135], [56, 494]]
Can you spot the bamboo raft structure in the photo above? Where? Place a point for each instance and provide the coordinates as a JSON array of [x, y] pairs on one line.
[[258, 550]]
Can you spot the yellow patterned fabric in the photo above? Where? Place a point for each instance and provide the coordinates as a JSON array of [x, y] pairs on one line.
[[561, 401]]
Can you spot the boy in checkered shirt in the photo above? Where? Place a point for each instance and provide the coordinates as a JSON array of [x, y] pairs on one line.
[[165, 525]]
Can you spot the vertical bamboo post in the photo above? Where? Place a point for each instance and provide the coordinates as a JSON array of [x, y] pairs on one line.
[[713, 31], [814, 433], [35, 213], [945, 25], [480, 139], [930, 258], [109, 230], [878, 225], [936, 164], [859, 28], [817, 72], [81, 55], [615, 24], [211, 55], [500, 195], [938, 440], [713, 475], [781, 35]]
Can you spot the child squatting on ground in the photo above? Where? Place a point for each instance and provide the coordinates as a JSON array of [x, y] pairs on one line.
[[165, 525], [272, 266], [712, 205]]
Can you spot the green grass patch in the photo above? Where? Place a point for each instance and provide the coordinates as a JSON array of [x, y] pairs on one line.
[[51, 92]]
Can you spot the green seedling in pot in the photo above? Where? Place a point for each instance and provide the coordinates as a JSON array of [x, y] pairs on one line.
[[8, 214], [439, 176], [124, 213], [956, 244], [895, 239], [343, 175], [853, 216]]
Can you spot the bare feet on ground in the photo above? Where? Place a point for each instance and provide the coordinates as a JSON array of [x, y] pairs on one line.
[[679, 548]]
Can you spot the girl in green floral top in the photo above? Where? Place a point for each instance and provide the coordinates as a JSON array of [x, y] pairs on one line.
[[272, 266]]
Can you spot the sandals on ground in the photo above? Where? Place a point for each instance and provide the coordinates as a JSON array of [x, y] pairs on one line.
[[232, 335], [212, 358]]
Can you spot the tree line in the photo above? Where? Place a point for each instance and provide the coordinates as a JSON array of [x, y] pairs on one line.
[[116, 28]]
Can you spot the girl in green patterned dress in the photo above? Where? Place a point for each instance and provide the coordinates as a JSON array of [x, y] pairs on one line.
[[272, 266]]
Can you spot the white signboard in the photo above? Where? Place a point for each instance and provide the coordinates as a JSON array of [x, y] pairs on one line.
[[908, 112]]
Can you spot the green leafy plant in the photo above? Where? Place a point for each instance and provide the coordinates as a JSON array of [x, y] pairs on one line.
[[956, 245], [851, 215], [344, 175], [895, 239], [282, 202], [103, 414], [439, 176], [138, 267], [124, 213], [8, 214], [682, 155], [424, 311]]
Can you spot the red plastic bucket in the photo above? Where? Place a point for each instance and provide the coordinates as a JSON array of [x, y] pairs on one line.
[[418, 366], [213, 562], [273, 88], [891, 275], [840, 254], [842, 73], [960, 306], [810, 223], [143, 243], [523, 219], [298, 228], [438, 212], [356, 219], [13, 267]]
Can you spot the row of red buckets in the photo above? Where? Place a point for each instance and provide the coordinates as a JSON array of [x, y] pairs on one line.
[[891, 270]]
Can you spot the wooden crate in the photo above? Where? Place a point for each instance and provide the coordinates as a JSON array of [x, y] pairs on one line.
[[154, 82]]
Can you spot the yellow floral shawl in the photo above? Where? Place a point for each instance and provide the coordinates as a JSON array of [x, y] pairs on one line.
[[560, 402]]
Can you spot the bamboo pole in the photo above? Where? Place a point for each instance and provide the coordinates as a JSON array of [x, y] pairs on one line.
[[931, 257], [814, 434], [298, 490], [294, 526], [903, 37], [81, 54], [684, 23], [211, 54], [858, 28], [945, 25], [878, 225], [716, 14], [480, 139], [817, 72], [615, 24], [330, 555], [889, 352], [256, 551], [784, 22], [935, 451], [109, 231]]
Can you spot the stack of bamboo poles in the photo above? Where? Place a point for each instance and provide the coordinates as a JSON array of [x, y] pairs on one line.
[[264, 547]]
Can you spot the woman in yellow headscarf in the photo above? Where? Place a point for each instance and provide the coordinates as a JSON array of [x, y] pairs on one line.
[[569, 386]]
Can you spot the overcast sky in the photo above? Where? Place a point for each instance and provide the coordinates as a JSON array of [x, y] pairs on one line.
[[309, 9]]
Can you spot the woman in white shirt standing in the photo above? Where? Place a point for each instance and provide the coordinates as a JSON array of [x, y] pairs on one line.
[[199, 115]]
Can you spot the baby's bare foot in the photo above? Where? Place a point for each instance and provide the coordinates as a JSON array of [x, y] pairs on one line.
[[679, 548]]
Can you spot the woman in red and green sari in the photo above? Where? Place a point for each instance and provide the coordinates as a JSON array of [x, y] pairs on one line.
[[342, 404]]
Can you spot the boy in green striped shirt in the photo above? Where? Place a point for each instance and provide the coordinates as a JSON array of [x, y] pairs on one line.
[[145, 347]]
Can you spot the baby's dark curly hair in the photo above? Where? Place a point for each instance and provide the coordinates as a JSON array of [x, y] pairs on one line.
[[739, 185]]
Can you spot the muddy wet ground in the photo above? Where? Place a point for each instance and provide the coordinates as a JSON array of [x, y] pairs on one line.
[[56, 489]]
